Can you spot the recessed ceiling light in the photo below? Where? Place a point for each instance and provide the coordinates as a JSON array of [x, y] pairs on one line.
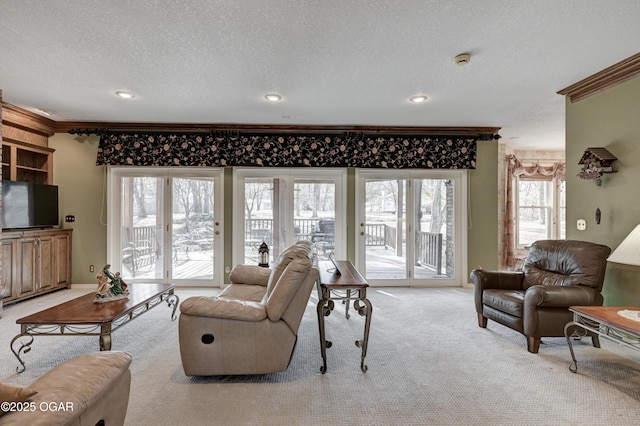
[[272, 97], [418, 99], [125, 95]]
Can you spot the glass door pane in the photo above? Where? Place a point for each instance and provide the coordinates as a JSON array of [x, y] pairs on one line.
[[434, 224], [260, 216], [314, 217], [142, 243], [193, 228], [384, 234]]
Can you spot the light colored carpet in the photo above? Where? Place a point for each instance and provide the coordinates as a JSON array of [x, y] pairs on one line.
[[429, 364]]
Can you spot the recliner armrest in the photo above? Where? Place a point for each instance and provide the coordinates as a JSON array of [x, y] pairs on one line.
[[505, 280], [250, 274], [220, 307], [560, 296]]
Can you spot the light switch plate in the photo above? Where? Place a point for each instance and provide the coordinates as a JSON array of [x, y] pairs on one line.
[[582, 224]]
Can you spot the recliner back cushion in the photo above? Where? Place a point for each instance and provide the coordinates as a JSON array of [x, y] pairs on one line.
[[565, 262], [300, 250], [286, 287]]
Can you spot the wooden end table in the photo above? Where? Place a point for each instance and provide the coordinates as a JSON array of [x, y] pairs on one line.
[[347, 286], [602, 321], [82, 316]]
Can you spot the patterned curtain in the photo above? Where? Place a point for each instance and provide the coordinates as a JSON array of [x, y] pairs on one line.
[[515, 170], [272, 150]]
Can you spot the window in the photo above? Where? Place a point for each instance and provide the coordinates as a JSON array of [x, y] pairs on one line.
[[541, 210]]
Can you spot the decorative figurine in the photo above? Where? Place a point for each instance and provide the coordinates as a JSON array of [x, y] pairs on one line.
[[110, 287]]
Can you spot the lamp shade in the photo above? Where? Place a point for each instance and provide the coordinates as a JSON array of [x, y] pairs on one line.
[[628, 252]]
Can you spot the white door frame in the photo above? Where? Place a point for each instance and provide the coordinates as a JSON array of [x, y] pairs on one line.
[[339, 176], [460, 218], [114, 203]]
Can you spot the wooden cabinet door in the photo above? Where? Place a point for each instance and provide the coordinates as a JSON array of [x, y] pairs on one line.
[[62, 259], [8, 269], [26, 271], [45, 263]]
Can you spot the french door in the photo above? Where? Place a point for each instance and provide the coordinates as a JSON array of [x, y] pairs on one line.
[[410, 227], [164, 225], [282, 206]]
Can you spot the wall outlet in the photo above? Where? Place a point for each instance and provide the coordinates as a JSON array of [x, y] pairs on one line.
[[92, 268], [582, 224], [227, 269]]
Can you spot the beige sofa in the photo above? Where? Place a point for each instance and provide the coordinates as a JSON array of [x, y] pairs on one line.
[[90, 389], [251, 327]]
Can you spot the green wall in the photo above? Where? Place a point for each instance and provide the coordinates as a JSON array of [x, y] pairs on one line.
[[83, 186], [609, 119], [482, 226]]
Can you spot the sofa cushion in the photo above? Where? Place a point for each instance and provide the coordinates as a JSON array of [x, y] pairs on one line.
[[286, 287], [253, 293], [303, 249], [9, 393], [507, 301], [565, 263], [221, 307], [250, 274]]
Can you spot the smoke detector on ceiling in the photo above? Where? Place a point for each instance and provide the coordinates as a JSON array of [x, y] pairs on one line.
[[462, 59]]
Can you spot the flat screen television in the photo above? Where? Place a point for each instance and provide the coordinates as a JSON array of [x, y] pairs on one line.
[[29, 205]]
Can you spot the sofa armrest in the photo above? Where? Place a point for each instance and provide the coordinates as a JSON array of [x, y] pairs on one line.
[[87, 389], [250, 274], [220, 307], [560, 296], [504, 280]]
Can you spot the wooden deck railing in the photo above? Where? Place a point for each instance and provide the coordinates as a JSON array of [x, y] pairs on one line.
[[141, 243]]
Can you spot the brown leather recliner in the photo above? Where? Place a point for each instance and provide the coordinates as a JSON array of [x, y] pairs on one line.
[[557, 274]]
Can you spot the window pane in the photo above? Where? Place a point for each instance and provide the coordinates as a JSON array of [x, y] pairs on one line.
[[535, 221], [434, 248], [533, 225], [314, 215], [385, 225], [259, 217], [142, 236], [192, 225]]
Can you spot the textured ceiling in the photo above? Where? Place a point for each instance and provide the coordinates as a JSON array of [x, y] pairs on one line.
[[335, 62]]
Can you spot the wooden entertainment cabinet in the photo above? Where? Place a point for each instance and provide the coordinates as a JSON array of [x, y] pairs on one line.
[[35, 262]]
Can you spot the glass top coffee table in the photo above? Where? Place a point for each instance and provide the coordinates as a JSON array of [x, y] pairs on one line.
[[82, 316]]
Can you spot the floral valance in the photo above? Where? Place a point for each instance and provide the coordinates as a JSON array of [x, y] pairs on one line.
[[284, 150]]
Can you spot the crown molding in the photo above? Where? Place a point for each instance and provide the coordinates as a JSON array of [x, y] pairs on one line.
[[619, 73], [26, 120]]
